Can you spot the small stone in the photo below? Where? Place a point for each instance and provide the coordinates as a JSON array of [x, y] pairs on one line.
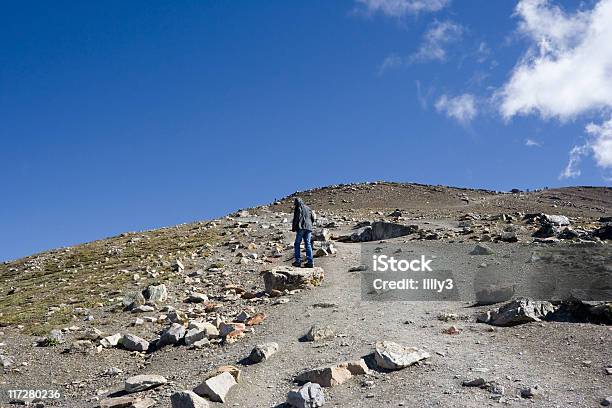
[[256, 319], [606, 402], [187, 399], [530, 392], [357, 367], [143, 382], [310, 395], [233, 370], [216, 388], [476, 382], [196, 297], [132, 300], [262, 352]]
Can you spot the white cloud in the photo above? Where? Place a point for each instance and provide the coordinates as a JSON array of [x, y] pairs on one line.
[[400, 8], [435, 40], [532, 143], [601, 143], [567, 69], [575, 156], [566, 72], [392, 61], [462, 108]]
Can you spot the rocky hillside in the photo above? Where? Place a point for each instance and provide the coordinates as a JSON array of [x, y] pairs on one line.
[[210, 312]]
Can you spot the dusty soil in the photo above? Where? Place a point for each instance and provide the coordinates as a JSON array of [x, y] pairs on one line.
[[565, 360]]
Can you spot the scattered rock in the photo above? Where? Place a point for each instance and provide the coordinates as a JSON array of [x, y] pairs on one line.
[[143, 382], [476, 382], [392, 356], [518, 311], [172, 335], [530, 392], [217, 387], [262, 352], [318, 332], [325, 376], [156, 294], [290, 278], [556, 219], [606, 402], [134, 343], [233, 370], [256, 319], [310, 395], [110, 341], [357, 367], [132, 300], [187, 399]]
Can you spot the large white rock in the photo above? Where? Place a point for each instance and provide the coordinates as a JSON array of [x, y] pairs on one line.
[[310, 395], [134, 343]]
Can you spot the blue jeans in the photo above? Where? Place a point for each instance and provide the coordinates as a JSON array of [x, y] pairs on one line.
[[300, 235]]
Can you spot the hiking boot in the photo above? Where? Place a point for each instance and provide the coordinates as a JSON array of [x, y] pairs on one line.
[[309, 265], [296, 264]]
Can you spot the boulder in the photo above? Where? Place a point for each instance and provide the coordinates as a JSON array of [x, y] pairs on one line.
[[356, 367], [604, 232], [134, 343], [216, 388], [187, 399], [518, 311], [290, 278], [143, 382], [262, 352], [546, 231], [310, 395], [392, 356], [328, 376]]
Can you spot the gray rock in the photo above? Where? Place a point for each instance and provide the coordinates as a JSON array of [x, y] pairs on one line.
[[289, 278], [508, 236], [216, 388], [262, 352], [6, 361], [143, 382], [518, 311], [606, 402], [556, 219], [172, 335], [318, 332], [132, 300], [134, 343], [156, 294], [196, 297], [187, 399], [392, 356], [110, 341], [310, 395], [481, 249], [143, 309], [476, 382], [530, 392]]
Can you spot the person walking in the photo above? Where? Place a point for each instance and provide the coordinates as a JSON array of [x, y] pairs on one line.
[[303, 219]]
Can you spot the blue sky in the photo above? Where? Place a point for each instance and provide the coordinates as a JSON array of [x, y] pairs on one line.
[[119, 116]]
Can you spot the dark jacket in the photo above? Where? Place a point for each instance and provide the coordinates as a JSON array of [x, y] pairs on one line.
[[303, 216]]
